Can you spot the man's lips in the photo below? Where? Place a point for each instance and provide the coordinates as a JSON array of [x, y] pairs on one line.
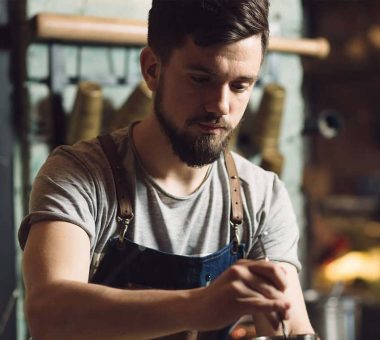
[[211, 126]]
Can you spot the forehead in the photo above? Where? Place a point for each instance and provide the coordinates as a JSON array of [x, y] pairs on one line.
[[243, 56]]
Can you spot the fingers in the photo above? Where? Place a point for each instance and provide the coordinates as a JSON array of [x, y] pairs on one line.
[[272, 272], [264, 287], [247, 287], [260, 303], [256, 291], [261, 276]]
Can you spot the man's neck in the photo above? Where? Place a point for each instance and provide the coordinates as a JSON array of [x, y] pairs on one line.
[[158, 159]]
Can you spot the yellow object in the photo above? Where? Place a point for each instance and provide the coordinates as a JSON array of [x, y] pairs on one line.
[[355, 265]]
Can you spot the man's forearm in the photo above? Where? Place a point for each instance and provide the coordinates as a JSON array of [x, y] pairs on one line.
[[297, 321], [74, 310]]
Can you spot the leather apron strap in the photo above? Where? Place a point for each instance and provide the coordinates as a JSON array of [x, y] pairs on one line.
[[122, 185], [236, 214], [123, 189]]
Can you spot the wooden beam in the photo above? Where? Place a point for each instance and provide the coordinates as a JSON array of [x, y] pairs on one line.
[[75, 28], [318, 48]]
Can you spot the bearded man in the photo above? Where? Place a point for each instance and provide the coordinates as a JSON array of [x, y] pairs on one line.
[[157, 230]]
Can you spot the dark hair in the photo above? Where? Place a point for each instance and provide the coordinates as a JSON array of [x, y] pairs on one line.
[[207, 22]]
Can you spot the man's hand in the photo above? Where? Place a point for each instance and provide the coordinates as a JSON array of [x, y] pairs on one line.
[[60, 304], [297, 321], [245, 288]]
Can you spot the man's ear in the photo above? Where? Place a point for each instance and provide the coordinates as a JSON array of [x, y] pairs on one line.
[[150, 65]]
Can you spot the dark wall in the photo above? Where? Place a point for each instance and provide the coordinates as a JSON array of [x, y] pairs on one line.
[[7, 245], [348, 82]]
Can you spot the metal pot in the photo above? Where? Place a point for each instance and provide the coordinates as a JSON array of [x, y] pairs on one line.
[[290, 337], [334, 317]]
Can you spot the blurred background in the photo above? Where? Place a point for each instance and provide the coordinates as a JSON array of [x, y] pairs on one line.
[[314, 118]]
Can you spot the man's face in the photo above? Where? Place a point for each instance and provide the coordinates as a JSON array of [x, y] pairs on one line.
[[202, 94]]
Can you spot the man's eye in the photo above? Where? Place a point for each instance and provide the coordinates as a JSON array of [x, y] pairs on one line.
[[199, 79], [239, 87]]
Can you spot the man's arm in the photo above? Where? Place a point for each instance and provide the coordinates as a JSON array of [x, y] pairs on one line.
[[61, 304], [298, 322]]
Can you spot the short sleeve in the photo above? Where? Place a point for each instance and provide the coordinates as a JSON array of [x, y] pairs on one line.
[[278, 227], [64, 190]]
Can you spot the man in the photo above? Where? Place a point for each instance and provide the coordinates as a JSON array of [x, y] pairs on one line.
[[180, 235]]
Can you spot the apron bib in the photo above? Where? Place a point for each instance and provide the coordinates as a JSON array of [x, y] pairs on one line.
[[128, 265]]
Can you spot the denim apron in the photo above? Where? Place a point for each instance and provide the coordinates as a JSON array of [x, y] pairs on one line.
[[129, 265]]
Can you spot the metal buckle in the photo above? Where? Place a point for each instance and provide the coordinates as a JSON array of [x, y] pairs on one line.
[[235, 237], [123, 227]]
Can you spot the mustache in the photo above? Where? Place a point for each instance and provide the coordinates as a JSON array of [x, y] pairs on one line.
[[217, 121]]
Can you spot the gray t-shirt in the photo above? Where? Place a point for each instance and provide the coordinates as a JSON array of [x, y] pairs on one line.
[[76, 185]]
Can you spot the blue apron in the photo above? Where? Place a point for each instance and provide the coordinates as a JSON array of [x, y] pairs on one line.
[[129, 265]]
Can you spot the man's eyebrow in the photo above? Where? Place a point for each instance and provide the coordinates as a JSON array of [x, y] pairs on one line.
[[203, 69], [248, 79], [200, 68]]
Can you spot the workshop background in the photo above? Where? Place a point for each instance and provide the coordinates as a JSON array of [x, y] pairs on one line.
[[313, 120]]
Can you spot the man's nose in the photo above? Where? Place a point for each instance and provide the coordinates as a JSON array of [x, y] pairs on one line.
[[218, 101]]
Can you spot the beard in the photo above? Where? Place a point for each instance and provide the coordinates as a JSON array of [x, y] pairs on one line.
[[194, 150]]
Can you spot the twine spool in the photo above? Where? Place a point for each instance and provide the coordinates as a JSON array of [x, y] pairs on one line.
[[86, 117], [268, 118], [272, 160], [138, 105], [267, 128]]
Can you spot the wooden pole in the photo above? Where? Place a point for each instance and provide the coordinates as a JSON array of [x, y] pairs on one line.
[[75, 28], [318, 48]]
